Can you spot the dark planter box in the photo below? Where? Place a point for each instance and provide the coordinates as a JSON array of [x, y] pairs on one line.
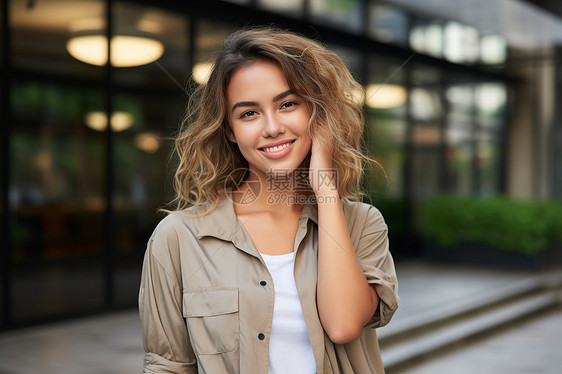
[[478, 254]]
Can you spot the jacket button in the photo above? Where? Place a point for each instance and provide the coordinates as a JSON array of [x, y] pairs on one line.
[[263, 283], [261, 336]]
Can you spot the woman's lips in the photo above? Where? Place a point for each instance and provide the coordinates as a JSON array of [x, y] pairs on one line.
[[277, 151]]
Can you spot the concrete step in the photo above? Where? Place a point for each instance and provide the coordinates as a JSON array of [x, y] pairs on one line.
[[406, 342]]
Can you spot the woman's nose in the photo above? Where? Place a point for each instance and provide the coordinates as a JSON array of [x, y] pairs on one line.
[[272, 127]]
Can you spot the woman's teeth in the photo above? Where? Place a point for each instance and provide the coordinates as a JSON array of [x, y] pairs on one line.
[[276, 148]]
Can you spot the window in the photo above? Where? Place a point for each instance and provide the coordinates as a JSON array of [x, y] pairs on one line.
[[344, 14], [42, 30], [388, 24], [161, 57]]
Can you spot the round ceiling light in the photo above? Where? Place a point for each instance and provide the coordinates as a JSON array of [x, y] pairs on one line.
[[201, 72], [385, 96], [148, 142], [126, 51], [97, 120]]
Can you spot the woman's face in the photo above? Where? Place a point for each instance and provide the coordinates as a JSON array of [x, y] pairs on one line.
[[267, 121]]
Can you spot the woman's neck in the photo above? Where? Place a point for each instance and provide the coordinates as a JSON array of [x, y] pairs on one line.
[[279, 194]]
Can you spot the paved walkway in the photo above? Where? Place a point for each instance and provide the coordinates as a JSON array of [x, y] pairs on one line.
[[529, 347], [111, 343], [105, 344]]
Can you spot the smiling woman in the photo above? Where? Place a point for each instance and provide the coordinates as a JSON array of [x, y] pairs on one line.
[[292, 275], [268, 121]]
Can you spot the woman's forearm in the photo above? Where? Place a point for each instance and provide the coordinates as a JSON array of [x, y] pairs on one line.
[[345, 300]]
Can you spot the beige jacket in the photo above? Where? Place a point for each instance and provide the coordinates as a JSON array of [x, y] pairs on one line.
[[206, 296]]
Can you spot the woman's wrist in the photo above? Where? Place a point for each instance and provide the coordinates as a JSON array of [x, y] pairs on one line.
[[327, 195], [323, 182]]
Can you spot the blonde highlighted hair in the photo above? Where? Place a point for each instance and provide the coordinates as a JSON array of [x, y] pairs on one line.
[[209, 162]]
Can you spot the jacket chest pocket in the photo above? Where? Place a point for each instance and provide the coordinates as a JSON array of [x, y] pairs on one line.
[[212, 320]]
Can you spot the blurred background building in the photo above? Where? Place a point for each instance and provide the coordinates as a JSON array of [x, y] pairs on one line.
[[461, 98]]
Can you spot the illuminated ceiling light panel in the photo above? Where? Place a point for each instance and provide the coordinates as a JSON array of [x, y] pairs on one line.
[[201, 72], [126, 51], [385, 96], [120, 121], [148, 142]]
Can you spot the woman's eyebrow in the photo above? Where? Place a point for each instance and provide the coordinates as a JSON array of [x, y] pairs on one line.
[[278, 97], [243, 104], [282, 95]]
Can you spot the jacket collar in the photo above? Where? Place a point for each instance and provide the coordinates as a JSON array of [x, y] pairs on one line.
[[222, 222]]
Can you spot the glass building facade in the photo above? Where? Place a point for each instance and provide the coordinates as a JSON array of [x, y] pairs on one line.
[[87, 126]]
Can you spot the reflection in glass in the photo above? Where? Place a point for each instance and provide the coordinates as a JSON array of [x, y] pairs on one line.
[[41, 30], [425, 75], [57, 202], [293, 7], [141, 155], [458, 154], [56, 157], [427, 37], [426, 135], [352, 58], [387, 24], [386, 138], [50, 291], [142, 175], [386, 70], [488, 159], [210, 35], [493, 49], [461, 43], [386, 90], [491, 99], [425, 104], [167, 65], [339, 13], [458, 133], [459, 168], [425, 172], [460, 102]]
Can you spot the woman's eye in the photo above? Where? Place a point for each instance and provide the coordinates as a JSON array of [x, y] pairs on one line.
[[288, 104], [249, 113]]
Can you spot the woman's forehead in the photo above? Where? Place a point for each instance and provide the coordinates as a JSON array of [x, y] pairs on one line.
[[257, 81]]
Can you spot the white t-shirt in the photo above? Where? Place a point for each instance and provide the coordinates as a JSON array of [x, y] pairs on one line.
[[289, 345]]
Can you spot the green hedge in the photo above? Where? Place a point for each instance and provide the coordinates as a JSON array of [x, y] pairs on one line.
[[394, 213], [526, 227]]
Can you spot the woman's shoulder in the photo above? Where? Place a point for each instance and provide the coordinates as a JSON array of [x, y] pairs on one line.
[[359, 212], [180, 220], [177, 229]]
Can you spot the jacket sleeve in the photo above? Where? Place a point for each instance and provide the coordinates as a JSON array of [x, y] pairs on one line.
[[370, 237], [165, 336]]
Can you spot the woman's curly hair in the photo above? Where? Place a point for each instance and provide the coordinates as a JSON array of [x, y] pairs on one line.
[[209, 162]]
